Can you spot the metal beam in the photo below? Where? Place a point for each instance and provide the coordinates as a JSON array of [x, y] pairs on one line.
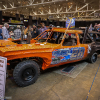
[[69, 12], [34, 4], [70, 8], [92, 13], [80, 8]]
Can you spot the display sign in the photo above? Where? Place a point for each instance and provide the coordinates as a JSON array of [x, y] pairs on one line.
[[25, 20], [72, 25], [3, 67], [15, 21]]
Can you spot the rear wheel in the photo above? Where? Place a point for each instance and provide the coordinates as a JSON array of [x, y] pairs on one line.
[[26, 73], [93, 58]]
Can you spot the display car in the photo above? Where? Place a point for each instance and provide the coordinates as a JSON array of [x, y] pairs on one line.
[[61, 47]]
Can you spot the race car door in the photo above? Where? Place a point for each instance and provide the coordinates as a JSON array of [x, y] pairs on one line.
[[71, 49]]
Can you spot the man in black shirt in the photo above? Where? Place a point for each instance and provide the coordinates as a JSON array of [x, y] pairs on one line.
[[35, 32]]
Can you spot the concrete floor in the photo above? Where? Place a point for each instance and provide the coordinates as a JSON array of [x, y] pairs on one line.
[[53, 86]]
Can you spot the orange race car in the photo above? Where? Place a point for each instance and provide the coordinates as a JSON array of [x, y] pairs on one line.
[[61, 47]]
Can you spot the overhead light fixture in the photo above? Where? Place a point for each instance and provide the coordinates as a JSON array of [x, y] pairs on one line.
[[26, 8], [59, 5]]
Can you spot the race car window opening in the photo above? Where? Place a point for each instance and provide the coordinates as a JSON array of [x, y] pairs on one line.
[[56, 37], [95, 37], [70, 40], [88, 39], [41, 39]]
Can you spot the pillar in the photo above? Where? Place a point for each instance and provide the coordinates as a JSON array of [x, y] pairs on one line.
[[22, 18], [0, 17], [30, 20], [39, 21], [53, 22], [47, 23], [58, 24], [17, 17]]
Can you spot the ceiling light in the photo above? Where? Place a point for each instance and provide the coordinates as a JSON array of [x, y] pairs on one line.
[[59, 5], [26, 8], [19, 2]]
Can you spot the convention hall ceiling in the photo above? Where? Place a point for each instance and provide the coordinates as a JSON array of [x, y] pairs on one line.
[[52, 9]]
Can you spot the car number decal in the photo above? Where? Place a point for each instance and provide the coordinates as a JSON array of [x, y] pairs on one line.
[[67, 54]]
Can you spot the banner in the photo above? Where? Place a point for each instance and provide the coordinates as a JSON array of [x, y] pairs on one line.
[[72, 25], [3, 67]]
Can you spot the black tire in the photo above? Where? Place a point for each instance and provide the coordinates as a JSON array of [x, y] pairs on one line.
[[26, 73], [93, 58]]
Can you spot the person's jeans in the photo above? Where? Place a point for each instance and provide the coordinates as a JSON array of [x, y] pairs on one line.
[[1, 37]]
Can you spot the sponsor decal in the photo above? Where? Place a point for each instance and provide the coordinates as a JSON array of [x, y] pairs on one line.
[[67, 54], [89, 48]]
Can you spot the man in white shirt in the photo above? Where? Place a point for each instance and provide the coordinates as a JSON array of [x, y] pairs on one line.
[[5, 32], [17, 32]]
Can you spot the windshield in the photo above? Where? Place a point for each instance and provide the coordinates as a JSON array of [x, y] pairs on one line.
[[52, 37]]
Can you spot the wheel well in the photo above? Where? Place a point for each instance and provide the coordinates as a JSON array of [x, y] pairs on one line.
[[98, 52], [14, 62]]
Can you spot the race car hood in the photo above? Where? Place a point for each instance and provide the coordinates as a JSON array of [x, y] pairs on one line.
[[8, 46]]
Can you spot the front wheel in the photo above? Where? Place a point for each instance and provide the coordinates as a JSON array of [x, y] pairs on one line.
[[26, 73], [93, 58]]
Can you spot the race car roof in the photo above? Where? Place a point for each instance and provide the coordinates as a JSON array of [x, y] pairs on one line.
[[63, 30]]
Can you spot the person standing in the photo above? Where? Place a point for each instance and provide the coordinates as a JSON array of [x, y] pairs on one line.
[[35, 32], [5, 32], [1, 32], [17, 32], [42, 29]]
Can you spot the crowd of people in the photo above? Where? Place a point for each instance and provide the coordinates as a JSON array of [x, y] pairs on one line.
[[95, 28], [16, 34]]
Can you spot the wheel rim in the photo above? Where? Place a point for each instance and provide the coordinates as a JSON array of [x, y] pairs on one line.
[[94, 58], [28, 74]]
